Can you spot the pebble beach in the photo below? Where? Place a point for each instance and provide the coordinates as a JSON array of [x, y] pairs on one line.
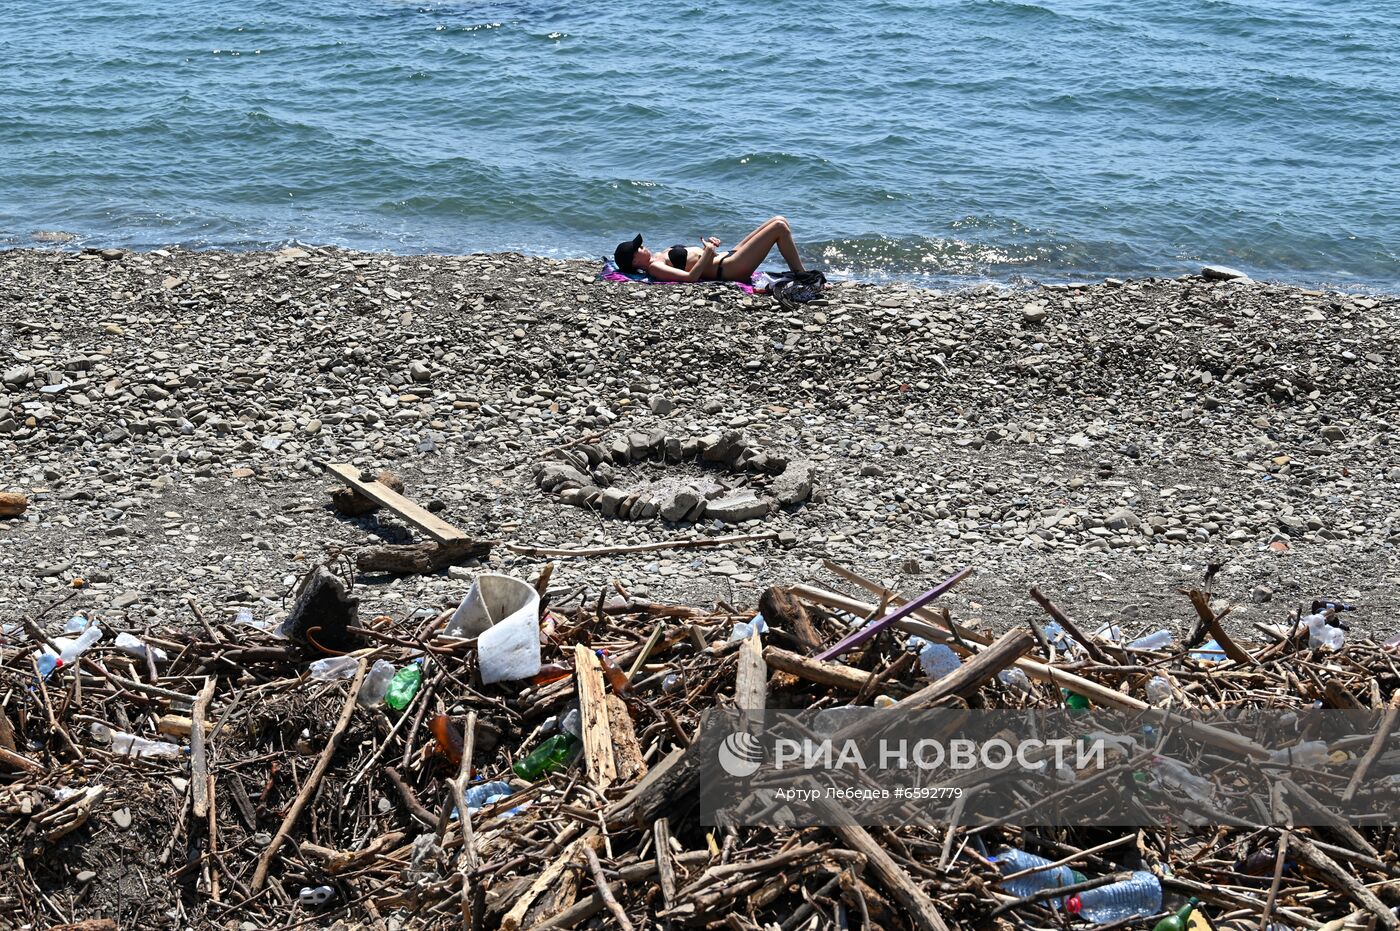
[[167, 414]]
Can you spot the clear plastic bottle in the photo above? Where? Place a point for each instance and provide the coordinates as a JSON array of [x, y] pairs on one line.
[[128, 643], [1014, 678], [938, 660], [334, 667], [1177, 775], [75, 624], [1323, 636], [1309, 754], [1159, 691], [1157, 640], [71, 651], [1136, 897], [741, 631], [1209, 652], [130, 745], [376, 684], [1016, 860], [1060, 639]]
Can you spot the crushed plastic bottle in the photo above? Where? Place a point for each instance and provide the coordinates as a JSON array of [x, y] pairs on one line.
[[404, 685], [376, 684], [671, 683], [479, 796], [310, 897], [1157, 640], [743, 630], [1159, 691], [938, 660], [1016, 860], [130, 745], [138, 647], [1135, 897], [334, 667], [76, 624]]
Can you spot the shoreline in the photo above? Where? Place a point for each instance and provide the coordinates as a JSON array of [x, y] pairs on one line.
[[923, 281], [1134, 432]]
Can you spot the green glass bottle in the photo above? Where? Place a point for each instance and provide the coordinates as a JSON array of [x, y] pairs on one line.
[[404, 685], [546, 758], [1178, 922]]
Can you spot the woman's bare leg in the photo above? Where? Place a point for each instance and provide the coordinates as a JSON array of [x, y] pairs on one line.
[[744, 259]]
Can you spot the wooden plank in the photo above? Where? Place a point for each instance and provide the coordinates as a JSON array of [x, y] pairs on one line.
[[593, 718], [434, 526], [545, 880], [814, 670], [751, 681]]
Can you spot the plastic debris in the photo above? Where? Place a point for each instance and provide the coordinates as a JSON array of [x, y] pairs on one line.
[[334, 667], [1135, 897]]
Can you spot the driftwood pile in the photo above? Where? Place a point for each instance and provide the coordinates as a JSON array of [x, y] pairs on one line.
[[289, 782]]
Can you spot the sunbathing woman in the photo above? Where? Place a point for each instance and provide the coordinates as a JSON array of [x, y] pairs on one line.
[[682, 263]]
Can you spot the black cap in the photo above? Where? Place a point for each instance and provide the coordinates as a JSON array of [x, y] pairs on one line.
[[626, 252]]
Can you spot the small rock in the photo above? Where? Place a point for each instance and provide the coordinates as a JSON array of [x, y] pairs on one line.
[[122, 817], [1262, 594], [1333, 433], [19, 376], [661, 405], [736, 508], [420, 373]]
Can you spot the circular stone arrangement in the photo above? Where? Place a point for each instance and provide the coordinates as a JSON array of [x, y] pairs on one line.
[[752, 483]]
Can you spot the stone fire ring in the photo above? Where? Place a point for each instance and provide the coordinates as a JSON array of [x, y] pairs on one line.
[[583, 477]]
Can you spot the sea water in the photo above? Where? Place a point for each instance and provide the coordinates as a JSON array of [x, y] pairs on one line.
[[937, 141]]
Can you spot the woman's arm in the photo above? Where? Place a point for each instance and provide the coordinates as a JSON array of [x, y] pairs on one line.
[[664, 271]]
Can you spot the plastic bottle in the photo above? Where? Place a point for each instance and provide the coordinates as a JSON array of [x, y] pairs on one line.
[[1016, 860], [613, 673], [1159, 691], [334, 667], [1110, 632], [376, 684], [547, 757], [741, 631], [245, 616], [1174, 773], [1059, 638], [75, 624], [671, 683], [404, 685], [70, 652], [137, 647], [1322, 635], [315, 898], [1309, 754], [130, 745], [449, 739], [1210, 652], [1138, 896], [1157, 640], [479, 796], [1014, 678], [551, 672], [938, 660]]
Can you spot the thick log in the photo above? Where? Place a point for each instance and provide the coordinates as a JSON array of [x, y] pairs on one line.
[[419, 558], [819, 671]]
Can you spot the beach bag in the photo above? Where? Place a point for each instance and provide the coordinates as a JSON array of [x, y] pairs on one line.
[[793, 288]]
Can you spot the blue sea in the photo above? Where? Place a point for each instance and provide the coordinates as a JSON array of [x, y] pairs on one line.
[[943, 142]]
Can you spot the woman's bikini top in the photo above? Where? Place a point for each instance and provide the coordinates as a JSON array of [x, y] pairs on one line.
[[677, 255]]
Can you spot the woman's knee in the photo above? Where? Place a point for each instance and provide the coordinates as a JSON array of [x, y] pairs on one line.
[[780, 221]]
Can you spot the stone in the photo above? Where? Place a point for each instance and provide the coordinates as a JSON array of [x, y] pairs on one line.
[[557, 477], [661, 405], [420, 373], [610, 500], [1034, 313], [1333, 433], [122, 818], [19, 376], [721, 448], [1122, 519], [678, 504], [1262, 594], [125, 600], [737, 507], [1222, 273], [795, 484]]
